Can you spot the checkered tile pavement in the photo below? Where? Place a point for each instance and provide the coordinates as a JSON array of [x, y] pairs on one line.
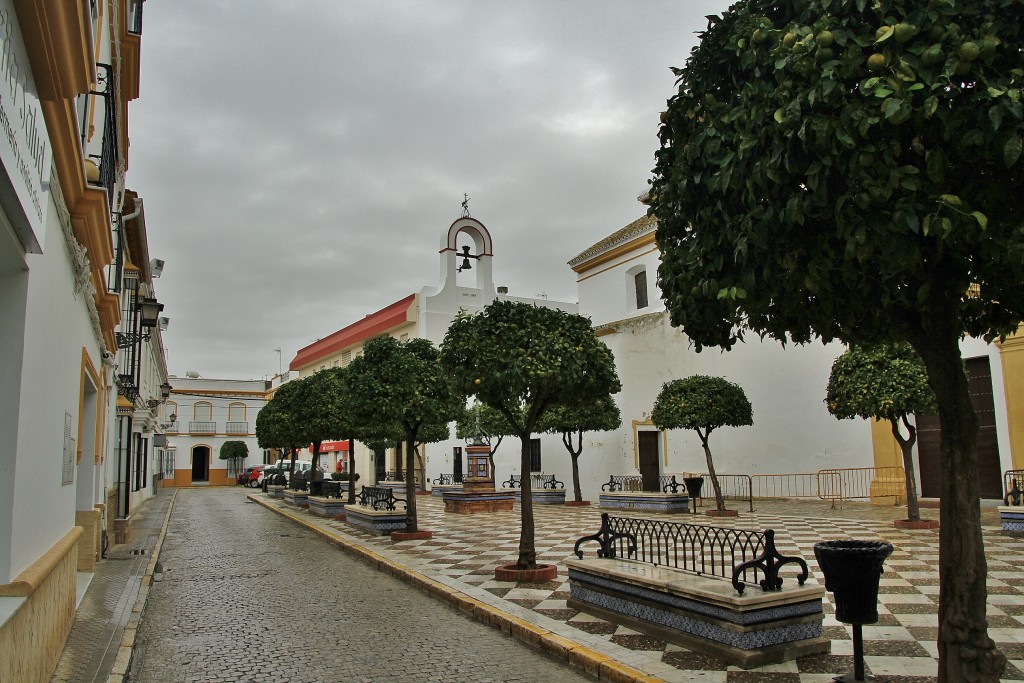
[[900, 648]]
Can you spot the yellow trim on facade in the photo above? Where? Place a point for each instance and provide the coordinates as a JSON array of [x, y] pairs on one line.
[[616, 265], [618, 251], [89, 370], [221, 392], [1012, 360]]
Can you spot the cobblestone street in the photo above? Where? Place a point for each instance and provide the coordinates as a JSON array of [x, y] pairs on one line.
[[246, 595]]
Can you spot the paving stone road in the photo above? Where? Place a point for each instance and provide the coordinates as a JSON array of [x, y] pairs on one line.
[[246, 595]]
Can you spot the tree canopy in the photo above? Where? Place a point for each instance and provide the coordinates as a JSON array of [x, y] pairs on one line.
[[852, 171], [521, 360], [277, 425], [321, 409], [887, 382], [702, 404], [234, 449], [572, 420]]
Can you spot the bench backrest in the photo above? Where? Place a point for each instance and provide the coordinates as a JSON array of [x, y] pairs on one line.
[[743, 556], [634, 482], [537, 482], [379, 498]]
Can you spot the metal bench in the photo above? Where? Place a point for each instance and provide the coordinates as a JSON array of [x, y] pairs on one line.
[[634, 482], [686, 583], [537, 482], [378, 498]]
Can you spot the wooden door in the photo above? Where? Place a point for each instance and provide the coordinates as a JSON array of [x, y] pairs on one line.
[[979, 384], [650, 469]]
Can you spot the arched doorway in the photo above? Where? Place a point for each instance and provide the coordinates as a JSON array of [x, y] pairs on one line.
[[200, 463]]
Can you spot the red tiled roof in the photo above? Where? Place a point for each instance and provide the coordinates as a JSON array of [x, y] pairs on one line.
[[370, 326]]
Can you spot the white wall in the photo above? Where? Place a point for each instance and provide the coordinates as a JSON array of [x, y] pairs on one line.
[[792, 430], [57, 328]]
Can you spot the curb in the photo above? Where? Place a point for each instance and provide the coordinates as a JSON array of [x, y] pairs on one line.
[[580, 656], [123, 659]]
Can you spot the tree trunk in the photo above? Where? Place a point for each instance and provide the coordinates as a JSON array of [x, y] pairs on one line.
[[906, 447], [966, 653], [410, 483], [351, 472], [719, 501], [574, 455], [315, 461], [527, 546]]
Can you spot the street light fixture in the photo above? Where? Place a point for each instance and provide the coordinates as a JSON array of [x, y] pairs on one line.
[[149, 314]]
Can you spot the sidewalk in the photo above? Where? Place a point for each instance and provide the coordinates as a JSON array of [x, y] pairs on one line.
[[99, 646], [457, 565]]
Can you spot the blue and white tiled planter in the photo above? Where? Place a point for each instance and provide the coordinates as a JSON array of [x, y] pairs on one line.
[[1012, 518], [635, 500]]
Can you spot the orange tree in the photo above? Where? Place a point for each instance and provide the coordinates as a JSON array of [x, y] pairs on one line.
[[702, 404], [321, 410], [277, 425], [887, 382], [399, 384], [852, 171], [522, 360], [571, 420]]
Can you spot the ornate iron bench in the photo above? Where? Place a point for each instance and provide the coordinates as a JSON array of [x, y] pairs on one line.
[[378, 498], [537, 482], [447, 480], [634, 482], [686, 583]]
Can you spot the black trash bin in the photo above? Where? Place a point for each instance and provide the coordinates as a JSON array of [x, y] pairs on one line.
[[852, 570], [693, 486]]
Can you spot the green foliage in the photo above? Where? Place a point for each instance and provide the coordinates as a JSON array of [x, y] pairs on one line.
[[276, 423], [573, 418], [433, 432], [701, 403], [887, 382], [233, 449], [482, 420], [320, 408], [397, 388], [522, 359], [799, 193]]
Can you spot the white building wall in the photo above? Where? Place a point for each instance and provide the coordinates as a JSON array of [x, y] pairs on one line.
[[57, 330], [792, 431]]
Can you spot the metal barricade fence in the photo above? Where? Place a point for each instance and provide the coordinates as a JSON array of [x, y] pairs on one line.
[[833, 484]]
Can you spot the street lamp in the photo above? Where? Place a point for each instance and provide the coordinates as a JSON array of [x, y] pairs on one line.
[[165, 391], [149, 314]]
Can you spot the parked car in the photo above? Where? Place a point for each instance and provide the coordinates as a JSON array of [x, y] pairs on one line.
[[246, 478], [284, 467], [254, 476]]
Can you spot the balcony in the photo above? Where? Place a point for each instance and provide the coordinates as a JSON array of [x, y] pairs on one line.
[[236, 427], [172, 427], [135, 17], [202, 427]]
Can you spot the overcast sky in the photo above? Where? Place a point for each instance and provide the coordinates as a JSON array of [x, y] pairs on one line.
[[299, 159]]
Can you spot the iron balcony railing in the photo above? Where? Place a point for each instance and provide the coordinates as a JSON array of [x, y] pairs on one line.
[[106, 160], [135, 17], [202, 427], [172, 427], [236, 427]]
